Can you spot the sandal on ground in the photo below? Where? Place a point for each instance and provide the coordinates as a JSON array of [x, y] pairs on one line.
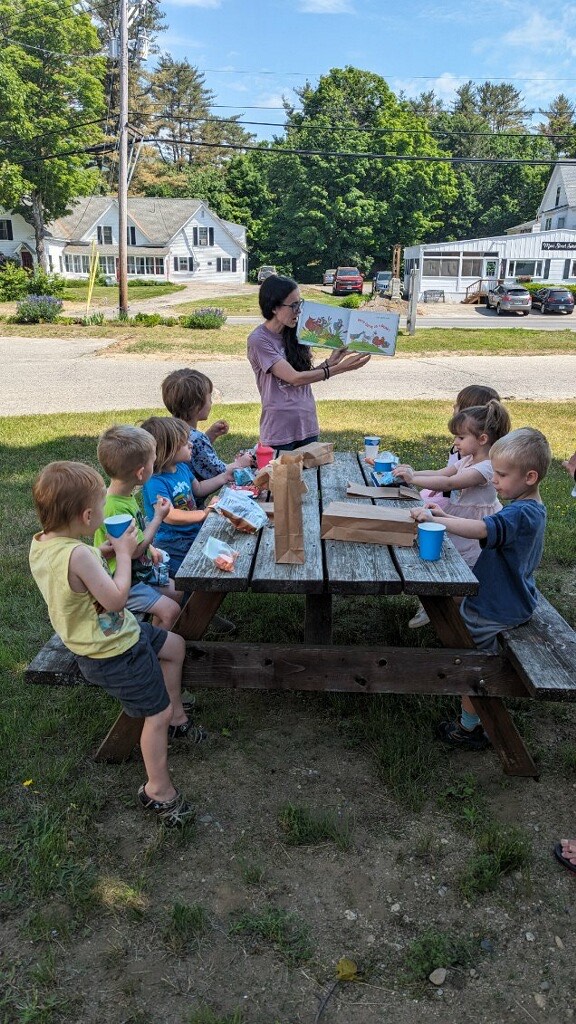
[[187, 731], [564, 860], [455, 735], [189, 705], [172, 813]]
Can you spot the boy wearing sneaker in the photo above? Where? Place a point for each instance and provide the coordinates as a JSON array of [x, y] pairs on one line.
[[511, 544], [138, 663]]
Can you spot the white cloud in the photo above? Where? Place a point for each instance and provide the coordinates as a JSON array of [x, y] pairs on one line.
[[444, 85], [325, 7]]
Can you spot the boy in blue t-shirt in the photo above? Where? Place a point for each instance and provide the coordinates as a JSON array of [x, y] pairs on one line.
[[511, 543]]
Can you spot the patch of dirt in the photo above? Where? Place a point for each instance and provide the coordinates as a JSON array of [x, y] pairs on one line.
[[398, 878]]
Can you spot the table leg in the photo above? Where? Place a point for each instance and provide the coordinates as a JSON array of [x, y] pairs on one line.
[[198, 613], [318, 620], [446, 619]]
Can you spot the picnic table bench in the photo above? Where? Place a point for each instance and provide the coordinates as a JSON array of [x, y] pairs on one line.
[[536, 660], [434, 295]]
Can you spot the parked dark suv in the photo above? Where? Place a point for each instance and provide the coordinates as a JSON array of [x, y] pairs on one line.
[[347, 280], [510, 298], [553, 300]]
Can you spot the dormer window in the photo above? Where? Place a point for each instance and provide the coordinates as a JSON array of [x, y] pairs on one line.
[[104, 235], [557, 203]]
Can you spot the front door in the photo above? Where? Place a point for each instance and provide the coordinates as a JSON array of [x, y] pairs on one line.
[[490, 268], [26, 260]]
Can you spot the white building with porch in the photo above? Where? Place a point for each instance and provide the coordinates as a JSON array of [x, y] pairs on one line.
[[542, 250], [177, 240]]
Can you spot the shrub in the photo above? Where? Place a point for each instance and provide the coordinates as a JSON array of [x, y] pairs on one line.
[[13, 282], [209, 318], [92, 320], [352, 302], [535, 286], [38, 309], [41, 283], [147, 319]]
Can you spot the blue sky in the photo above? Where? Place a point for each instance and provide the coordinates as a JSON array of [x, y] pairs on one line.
[[253, 52]]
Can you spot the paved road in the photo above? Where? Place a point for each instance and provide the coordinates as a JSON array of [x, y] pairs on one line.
[[68, 376]]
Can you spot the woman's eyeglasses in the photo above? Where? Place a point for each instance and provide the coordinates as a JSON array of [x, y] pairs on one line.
[[294, 306]]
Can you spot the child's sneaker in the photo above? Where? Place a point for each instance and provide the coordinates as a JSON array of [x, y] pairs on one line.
[[172, 813], [187, 731], [420, 619], [455, 735]]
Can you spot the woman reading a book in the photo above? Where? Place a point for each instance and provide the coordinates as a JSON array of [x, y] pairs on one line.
[[284, 371]]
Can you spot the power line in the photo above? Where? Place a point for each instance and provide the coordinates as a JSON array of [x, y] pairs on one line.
[[59, 131], [372, 131], [55, 53], [394, 157]]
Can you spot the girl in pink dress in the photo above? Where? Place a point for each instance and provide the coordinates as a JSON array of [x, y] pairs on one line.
[[472, 492]]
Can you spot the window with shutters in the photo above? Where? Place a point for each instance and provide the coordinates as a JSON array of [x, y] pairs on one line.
[[183, 264], [202, 236], [104, 235], [6, 230]]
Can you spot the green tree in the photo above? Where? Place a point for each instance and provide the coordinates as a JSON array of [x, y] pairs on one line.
[[560, 126], [329, 210], [53, 78]]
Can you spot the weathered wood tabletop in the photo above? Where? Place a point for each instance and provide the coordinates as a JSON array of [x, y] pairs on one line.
[[336, 567]]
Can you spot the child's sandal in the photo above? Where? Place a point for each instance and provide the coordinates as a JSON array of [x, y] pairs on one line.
[[187, 731], [172, 813]]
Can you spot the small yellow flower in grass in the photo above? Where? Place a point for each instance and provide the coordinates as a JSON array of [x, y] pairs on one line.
[[27, 782], [346, 970]]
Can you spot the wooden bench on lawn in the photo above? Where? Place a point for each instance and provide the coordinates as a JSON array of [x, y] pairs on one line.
[[542, 653]]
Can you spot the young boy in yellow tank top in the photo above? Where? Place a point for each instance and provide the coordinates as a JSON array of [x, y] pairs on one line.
[[138, 663]]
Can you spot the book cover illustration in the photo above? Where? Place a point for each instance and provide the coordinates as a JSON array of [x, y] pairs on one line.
[[324, 326]]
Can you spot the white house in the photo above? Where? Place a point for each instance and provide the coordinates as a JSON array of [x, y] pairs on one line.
[[177, 240], [543, 250]]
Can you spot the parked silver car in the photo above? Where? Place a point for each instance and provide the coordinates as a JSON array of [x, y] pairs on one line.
[[510, 298], [381, 282]]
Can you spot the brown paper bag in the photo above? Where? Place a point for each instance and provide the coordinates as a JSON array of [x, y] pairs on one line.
[[368, 524], [317, 453], [364, 491], [288, 490]]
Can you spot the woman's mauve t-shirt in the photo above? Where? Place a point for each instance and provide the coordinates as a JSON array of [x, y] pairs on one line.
[[288, 412]]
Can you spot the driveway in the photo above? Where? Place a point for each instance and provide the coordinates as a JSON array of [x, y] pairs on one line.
[[68, 376]]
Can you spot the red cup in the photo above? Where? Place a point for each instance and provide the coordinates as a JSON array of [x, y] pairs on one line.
[[264, 454]]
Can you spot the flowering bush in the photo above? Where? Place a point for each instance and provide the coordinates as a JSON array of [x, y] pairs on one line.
[[38, 309], [208, 317], [13, 282]]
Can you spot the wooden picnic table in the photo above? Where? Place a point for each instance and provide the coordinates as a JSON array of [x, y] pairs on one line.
[[338, 567]]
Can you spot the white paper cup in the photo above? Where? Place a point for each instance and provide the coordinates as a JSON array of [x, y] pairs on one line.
[[371, 444]]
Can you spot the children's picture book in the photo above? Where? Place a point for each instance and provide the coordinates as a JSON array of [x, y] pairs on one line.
[[324, 326]]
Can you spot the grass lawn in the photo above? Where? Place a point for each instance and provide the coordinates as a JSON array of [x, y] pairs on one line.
[[230, 340], [247, 305], [78, 865], [109, 296]]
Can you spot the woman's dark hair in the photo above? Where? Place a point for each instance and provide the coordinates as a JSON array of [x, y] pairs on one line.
[[273, 292], [491, 419]]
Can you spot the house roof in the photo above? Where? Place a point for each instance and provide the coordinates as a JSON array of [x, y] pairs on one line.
[[566, 173], [158, 218]]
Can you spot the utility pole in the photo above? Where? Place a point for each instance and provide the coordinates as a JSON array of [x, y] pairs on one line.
[[123, 163]]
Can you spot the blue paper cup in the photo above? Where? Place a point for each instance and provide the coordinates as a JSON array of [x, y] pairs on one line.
[[430, 538], [383, 466], [117, 525]]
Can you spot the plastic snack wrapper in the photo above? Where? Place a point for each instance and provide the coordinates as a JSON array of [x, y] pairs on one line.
[[241, 510], [243, 477], [223, 556]]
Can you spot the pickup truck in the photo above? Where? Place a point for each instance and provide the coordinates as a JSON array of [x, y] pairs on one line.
[[347, 280]]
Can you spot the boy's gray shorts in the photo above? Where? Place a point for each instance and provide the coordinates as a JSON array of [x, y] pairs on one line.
[[484, 632], [142, 598], [135, 677]]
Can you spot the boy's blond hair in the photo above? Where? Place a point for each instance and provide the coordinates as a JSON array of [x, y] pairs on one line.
[[123, 450], [63, 491], [524, 449], [185, 391], [170, 434]]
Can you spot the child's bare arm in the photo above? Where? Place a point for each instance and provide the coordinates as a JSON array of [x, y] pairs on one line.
[[217, 429], [201, 488], [570, 465], [87, 573], [420, 476], [472, 529], [184, 516], [161, 509]]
